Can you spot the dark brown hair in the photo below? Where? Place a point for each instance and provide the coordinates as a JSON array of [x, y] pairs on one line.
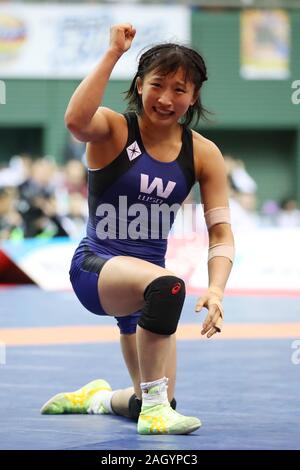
[[167, 59]]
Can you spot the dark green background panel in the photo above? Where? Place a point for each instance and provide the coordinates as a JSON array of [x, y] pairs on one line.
[[253, 119]]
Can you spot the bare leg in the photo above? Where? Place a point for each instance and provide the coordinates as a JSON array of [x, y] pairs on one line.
[[148, 356], [128, 346], [121, 398], [129, 349], [153, 354], [171, 368], [128, 278]]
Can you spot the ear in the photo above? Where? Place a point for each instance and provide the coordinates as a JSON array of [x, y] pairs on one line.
[[139, 85]]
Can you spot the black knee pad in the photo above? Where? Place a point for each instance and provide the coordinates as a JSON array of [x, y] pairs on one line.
[[164, 298], [135, 405]]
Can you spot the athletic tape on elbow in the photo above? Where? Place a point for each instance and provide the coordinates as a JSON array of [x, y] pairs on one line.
[[218, 215], [221, 249]]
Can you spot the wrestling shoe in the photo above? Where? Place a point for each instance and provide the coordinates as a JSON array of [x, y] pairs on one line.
[[74, 402], [162, 419]]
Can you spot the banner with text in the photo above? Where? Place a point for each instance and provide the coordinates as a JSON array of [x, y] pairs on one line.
[[66, 41]]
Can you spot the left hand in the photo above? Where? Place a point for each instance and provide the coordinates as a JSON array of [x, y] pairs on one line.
[[214, 320]]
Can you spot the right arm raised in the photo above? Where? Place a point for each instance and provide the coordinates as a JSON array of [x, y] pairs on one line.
[[83, 117]]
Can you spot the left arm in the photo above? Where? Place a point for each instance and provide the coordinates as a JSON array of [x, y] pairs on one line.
[[212, 178]]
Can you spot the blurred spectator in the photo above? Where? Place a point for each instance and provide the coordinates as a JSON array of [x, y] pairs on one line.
[[45, 202], [289, 214], [242, 195], [11, 222], [41, 218], [40, 182], [74, 222], [75, 178], [239, 178], [74, 149], [16, 172], [38, 199], [269, 213], [242, 218]]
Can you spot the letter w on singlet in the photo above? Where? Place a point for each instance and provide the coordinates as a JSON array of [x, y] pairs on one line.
[[157, 184]]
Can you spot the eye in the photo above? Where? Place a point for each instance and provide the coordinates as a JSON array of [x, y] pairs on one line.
[[180, 90], [155, 84]]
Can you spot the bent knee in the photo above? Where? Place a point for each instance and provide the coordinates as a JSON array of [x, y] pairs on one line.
[[164, 298]]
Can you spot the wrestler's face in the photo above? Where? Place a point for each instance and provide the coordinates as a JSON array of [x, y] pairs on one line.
[[166, 98]]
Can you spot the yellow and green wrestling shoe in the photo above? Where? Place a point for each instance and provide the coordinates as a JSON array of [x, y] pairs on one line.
[[74, 402], [162, 419]]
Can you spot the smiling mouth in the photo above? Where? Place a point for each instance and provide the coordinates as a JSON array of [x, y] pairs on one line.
[[163, 112]]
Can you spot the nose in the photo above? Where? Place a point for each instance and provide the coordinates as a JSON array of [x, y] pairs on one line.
[[165, 99]]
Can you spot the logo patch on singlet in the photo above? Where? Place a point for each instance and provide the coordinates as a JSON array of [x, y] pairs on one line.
[[157, 184], [133, 151]]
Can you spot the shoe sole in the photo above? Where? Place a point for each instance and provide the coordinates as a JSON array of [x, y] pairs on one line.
[[179, 432]]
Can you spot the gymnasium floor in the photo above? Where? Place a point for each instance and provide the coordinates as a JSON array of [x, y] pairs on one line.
[[243, 385]]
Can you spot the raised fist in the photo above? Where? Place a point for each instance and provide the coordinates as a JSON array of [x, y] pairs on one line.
[[121, 37]]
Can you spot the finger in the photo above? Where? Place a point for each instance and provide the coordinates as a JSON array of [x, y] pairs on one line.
[[207, 326], [211, 327], [200, 303], [125, 26], [218, 320], [212, 332], [129, 32], [209, 320], [219, 324], [199, 306], [129, 29]]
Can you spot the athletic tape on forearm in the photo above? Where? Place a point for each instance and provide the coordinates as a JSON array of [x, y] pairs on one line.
[[218, 215], [221, 249]]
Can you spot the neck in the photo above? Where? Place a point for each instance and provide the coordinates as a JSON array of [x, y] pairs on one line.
[[151, 132]]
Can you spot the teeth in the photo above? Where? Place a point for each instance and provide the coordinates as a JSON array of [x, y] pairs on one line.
[[166, 113]]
